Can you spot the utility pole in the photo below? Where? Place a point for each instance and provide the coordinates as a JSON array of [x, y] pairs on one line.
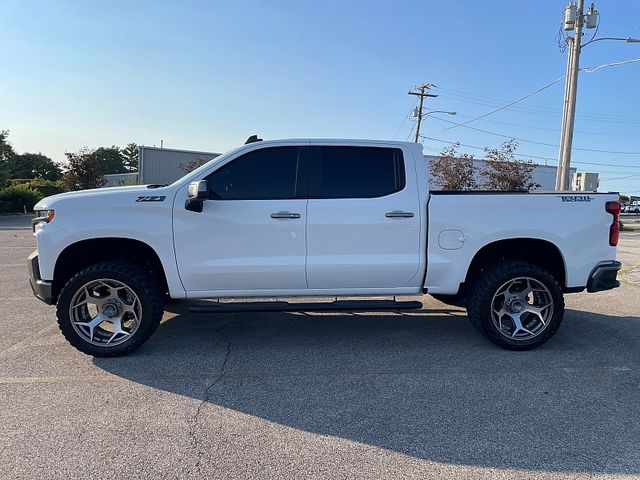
[[574, 19], [421, 91]]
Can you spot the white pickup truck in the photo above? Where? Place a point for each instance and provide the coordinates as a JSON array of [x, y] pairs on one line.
[[302, 218]]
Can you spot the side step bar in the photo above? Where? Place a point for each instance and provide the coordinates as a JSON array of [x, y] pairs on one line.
[[336, 306]]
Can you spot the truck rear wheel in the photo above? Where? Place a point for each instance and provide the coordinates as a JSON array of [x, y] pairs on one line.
[[517, 305], [110, 308]]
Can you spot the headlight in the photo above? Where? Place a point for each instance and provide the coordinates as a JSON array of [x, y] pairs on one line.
[[42, 216]]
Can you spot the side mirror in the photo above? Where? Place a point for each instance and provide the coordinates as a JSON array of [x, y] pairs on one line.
[[199, 190], [197, 193]]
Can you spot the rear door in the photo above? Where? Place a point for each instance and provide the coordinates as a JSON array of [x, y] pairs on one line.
[[363, 218]]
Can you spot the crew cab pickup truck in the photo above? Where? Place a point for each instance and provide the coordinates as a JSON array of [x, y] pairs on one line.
[[302, 218]]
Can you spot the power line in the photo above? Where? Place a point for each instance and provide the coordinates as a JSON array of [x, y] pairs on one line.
[[613, 64], [508, 104], [532, 156], [410, 132], [402, 124], [583, 132], [619, 178], [531, 109], [594, 150]]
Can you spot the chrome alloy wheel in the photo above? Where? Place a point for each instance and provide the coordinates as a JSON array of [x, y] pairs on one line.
[[105, 312], [522, 308]]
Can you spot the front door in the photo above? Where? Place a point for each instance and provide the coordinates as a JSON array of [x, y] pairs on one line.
[[251, 234]]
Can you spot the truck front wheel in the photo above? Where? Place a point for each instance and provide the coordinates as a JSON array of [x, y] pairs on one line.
[[110, 308], [517, 305]]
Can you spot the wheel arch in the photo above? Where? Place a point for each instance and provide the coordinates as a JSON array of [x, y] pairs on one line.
[[84, 253], [537, 251]]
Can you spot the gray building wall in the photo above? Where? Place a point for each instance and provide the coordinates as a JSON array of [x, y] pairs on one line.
[[115, 179], [166, 165]]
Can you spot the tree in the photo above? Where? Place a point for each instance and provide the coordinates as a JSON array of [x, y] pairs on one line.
[[109, 159], [453, 171], [624, 199], [193, 164], [83, 171], [502, 171], [130, 157], [6, 152], [33, 165]]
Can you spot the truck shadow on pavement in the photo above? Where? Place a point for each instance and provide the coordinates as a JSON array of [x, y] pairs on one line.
[[423, 384]]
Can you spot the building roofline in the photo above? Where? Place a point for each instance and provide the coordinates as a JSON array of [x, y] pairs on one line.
[[484, 159], [164, 149]]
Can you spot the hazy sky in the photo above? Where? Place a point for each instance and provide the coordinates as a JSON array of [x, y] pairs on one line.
[[206, 75]]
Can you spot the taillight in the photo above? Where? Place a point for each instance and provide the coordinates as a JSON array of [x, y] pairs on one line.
[[614, 230]]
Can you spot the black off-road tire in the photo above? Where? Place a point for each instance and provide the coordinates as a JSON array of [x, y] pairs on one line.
[[486, 285], [139, 280]]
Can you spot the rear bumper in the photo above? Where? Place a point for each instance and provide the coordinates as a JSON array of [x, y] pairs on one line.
[[603, 276], [41, 288]]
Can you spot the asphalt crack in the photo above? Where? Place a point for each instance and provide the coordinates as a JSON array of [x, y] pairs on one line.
[[195, 442]]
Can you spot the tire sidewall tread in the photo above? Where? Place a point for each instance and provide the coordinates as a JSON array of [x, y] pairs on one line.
[[487, 283], [134, 276]]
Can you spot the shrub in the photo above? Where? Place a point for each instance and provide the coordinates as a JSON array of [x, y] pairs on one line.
[[15, 198], [46, 188]]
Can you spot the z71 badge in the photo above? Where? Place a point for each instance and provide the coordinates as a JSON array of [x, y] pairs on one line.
[[151, 198], [575, 198]]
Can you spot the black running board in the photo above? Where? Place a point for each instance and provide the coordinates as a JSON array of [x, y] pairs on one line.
[[336, 306]]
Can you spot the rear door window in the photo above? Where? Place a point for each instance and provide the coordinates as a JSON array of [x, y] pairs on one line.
[[355, 172]]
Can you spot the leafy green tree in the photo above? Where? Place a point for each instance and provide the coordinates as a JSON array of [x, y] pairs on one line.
[[502, 171], [109, 159], [130, 157], [6, 152], [33, 165], [83, 171]]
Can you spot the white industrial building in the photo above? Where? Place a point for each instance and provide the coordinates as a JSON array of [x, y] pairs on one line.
[[586, 182]]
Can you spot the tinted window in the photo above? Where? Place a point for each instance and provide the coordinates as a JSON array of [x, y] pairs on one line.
[[269, 173], [356, 172]]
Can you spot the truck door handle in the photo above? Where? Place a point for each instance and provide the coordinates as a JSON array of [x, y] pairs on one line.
[[285, 215], [398, 214]]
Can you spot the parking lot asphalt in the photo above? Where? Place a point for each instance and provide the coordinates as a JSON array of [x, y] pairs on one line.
[[282, 395]]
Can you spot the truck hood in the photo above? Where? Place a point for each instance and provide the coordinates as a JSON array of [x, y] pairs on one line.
[[109, 194]]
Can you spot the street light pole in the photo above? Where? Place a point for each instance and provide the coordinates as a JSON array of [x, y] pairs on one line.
[[570, 94]]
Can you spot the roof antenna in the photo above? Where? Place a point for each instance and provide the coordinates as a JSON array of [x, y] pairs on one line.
[[253, 138]]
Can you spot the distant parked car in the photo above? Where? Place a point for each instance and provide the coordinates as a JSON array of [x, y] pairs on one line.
[[632, 209]]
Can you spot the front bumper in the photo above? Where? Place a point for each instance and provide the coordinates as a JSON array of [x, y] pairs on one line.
[[41, 288], [603, 276]]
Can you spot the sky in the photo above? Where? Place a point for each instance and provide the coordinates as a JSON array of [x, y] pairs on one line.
[[204, 75]]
